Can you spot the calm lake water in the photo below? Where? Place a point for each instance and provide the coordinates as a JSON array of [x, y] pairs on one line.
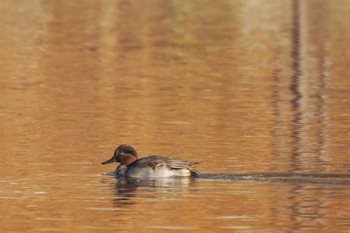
[[259, 88]]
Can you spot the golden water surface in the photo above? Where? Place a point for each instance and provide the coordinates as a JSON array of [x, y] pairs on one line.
[[242, 86]]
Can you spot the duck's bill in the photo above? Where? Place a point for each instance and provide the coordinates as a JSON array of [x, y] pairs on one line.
[[111, 160]]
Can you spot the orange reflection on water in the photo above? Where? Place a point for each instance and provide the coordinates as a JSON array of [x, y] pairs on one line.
[[241, 86]]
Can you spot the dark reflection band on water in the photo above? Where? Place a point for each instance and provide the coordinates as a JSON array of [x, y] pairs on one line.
[[320, 178], [304, 136]]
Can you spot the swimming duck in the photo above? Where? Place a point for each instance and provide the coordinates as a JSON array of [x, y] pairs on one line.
[[152, 166]]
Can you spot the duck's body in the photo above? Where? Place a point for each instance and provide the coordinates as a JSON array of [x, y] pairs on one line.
[[149, 167], [156, 166]]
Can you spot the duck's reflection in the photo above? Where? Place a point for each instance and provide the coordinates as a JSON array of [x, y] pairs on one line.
[[127, 190]]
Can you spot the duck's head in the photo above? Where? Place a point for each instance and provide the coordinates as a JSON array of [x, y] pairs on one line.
[[124, 154]]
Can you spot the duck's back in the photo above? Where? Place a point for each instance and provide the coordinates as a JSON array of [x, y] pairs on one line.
[[157, 166]]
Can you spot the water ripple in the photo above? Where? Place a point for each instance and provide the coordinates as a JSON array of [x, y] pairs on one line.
[[323, 178]]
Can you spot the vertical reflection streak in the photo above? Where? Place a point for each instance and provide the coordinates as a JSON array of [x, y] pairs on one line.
[[321, 101], [299, 101], [295, 83]]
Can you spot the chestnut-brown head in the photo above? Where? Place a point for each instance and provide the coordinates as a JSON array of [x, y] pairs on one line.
[[124, 154]]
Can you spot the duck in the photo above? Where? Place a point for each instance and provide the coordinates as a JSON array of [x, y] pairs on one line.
[[152, 166]]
